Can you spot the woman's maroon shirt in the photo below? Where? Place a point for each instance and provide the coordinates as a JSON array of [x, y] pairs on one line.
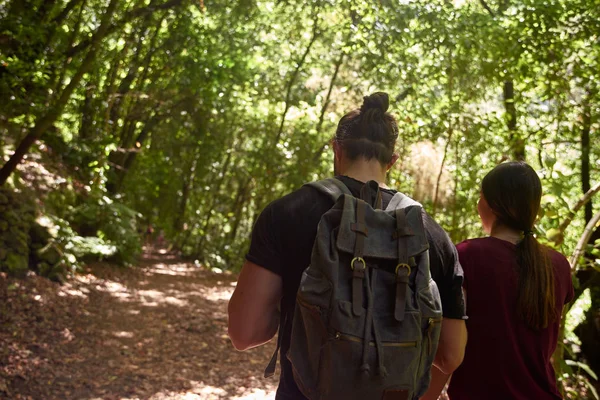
[[504, 358]]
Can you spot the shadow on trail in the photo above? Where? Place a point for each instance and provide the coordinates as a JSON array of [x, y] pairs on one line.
[[154, 332]]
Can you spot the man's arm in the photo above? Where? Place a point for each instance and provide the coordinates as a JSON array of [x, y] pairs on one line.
[[447, 272], [254, 307], [451, 348], [438, 382], [449, 355], [446, 360]]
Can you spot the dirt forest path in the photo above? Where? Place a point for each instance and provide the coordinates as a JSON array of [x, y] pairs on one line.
[[157, 331]]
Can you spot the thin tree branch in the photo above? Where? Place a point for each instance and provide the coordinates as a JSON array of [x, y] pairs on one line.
[[129, 16], [299, 66], [582, 201], [487, 7], [583, 241]]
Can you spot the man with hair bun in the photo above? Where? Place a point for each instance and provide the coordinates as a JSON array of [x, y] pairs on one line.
[[284, 234]]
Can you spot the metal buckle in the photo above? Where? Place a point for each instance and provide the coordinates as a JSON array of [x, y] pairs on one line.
[[358, 259], [403, 265]]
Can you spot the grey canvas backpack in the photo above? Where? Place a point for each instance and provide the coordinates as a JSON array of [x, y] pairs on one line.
[[367, 318]]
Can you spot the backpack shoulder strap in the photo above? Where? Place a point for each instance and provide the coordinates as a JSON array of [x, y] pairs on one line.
[[332, 187], [400, 200]]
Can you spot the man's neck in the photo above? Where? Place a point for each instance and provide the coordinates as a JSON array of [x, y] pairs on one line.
[[365, 171]]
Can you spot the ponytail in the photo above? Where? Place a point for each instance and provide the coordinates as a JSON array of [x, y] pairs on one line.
[[535, 299]]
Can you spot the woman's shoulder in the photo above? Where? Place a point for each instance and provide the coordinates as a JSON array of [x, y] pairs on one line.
[[476, 244], [559, 261], [562, 275]]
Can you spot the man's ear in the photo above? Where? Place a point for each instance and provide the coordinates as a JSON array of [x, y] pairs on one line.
[[337, 150], [395, 158]]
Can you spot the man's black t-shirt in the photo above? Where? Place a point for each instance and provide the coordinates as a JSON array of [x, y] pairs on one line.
[[282, 241]]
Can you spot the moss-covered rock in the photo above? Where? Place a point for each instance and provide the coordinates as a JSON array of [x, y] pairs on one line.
[[16, 264], [15, 223], [50, 254], [39, 235]]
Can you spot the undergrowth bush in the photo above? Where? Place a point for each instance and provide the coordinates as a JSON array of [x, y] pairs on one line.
[[106, 228]]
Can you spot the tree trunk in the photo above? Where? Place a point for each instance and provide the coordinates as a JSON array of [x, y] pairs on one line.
[[589, 330], [44, 122], [129, 124], [60, 17], [585, 155], [67, 60], [336, 70], [290, 85], [450, 73], [213, 200], [241, 199], [517, 144], [111, 85], [87, 111], [441, 173]]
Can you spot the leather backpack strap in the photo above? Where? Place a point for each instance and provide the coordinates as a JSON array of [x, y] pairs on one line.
[[403, 268], [332, 187], [270, 369], [371, 194]]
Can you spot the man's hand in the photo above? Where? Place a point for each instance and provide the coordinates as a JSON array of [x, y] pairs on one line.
[[254, 307]]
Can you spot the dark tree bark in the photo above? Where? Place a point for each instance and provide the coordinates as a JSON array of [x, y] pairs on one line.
[[87, 111], [589, 330], [585, 155], [241, 199], [213, 202], [129, 125], [516, 142], [61, 16]]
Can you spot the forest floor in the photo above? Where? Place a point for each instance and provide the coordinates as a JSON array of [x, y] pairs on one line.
[[157, 331]]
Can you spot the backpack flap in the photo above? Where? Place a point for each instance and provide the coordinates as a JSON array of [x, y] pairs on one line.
[[396, 234], [381, 241]]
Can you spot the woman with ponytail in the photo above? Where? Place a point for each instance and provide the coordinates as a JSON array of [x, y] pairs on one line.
[[515, 291]]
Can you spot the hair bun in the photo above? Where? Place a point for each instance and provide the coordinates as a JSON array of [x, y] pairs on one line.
[[377, 101]]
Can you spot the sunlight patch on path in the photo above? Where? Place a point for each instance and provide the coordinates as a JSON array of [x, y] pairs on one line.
[[205, 392], [216, 293]]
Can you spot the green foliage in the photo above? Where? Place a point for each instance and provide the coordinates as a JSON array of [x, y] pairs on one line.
[[198, 114], [109, 229]]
